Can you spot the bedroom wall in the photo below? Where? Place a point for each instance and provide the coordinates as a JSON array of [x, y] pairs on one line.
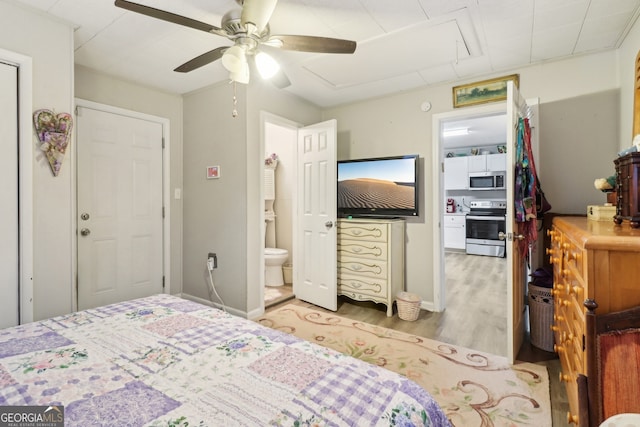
[[33, 35], [223, 215], [581, 134], [215, 210], [401, 128], [98, 87]]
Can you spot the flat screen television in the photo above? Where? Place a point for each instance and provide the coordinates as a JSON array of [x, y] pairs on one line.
[[380, 187]]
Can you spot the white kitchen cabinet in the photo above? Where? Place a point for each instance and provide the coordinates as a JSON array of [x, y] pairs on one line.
[[456, 173], [454, 231], [371, 259], [496, 162], [488, 163]]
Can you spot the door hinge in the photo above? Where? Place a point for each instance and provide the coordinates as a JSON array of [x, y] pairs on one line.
[[163, 142], [162, 282], [442, 166], [163, 212]]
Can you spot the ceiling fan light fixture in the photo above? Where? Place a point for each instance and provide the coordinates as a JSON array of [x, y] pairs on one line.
[[234, 59], [266, 65], [241, 75]]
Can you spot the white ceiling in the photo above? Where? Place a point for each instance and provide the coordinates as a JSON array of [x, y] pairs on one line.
[[402, 44]]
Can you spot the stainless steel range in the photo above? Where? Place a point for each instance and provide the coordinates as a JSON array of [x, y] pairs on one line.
[[484, 222]]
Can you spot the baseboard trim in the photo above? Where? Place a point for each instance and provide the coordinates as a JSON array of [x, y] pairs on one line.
[[427, 305], [203, 301]]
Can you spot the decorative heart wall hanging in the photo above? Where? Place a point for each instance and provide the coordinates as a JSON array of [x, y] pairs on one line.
[[53, 132]]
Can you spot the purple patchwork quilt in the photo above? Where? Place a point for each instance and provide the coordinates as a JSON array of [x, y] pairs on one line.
[[166, 361]]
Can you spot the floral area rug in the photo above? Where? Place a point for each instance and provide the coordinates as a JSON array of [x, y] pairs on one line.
[[473, 388]]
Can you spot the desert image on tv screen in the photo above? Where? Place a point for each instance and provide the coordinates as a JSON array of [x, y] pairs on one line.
[[380, 184]]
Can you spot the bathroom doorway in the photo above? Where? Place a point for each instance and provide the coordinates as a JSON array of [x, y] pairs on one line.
[[280, 146]]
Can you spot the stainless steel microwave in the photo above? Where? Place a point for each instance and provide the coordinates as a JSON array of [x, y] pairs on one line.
[[486, 180]]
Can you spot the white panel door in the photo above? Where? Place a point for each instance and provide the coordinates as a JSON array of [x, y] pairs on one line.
[[9, 268], [120, 238], [316, 274]]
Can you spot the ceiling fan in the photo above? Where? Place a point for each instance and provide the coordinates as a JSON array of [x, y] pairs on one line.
[[247, 28]]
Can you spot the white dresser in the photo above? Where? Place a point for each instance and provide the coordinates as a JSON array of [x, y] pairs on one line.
[[371, 259]]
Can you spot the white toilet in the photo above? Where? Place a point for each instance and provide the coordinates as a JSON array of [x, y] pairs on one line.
[[273, 260]]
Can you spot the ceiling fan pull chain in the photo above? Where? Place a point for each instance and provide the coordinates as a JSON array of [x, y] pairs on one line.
[[234, 112]]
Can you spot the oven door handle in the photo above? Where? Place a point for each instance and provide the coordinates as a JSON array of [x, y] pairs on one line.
[[485, 217]]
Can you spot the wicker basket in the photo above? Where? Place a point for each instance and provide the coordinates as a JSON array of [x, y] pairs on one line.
[[408, 306], [541, 317]]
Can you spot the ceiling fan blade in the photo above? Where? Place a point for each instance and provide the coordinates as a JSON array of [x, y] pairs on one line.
[[257, 12], [202, 60], [169, 17], [311, 44]]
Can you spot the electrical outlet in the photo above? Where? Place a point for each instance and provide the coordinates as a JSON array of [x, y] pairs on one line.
[[212, 261]]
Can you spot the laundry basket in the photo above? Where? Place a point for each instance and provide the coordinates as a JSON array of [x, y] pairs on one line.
[[541, 317], [408, 306]]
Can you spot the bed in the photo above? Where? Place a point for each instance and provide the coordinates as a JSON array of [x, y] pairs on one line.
[[167, 361]]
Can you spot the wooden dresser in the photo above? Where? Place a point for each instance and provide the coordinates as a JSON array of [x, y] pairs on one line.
[[598, 260], [371, 259]]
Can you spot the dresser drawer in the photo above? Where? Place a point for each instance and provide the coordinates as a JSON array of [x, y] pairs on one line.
[[363, 231], [360, 248], [371, 268], [350, 284], [573, 257]]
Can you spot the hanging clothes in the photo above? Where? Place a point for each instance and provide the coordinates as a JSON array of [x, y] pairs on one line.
[[525, 188]]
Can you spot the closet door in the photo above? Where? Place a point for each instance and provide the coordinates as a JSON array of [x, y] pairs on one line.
[[9, 269]]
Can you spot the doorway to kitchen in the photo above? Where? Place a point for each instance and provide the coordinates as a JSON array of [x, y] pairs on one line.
[[471, 149]]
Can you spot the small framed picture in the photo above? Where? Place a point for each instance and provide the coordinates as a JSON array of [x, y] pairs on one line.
[[482, 92], [213, 172]]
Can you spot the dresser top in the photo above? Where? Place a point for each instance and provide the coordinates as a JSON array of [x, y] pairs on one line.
[[601, 234]]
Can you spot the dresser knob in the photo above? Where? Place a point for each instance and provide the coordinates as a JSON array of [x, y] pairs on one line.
[[557, 318]]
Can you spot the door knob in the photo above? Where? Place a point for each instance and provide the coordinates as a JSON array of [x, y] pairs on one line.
[[85, 231], [328, 224], [502, 236]]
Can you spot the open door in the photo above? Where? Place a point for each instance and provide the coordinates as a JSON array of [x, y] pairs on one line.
[[517, 271], [315, 271]]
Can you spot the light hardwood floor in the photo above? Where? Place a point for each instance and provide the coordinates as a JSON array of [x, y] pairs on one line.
[[474, 318]]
